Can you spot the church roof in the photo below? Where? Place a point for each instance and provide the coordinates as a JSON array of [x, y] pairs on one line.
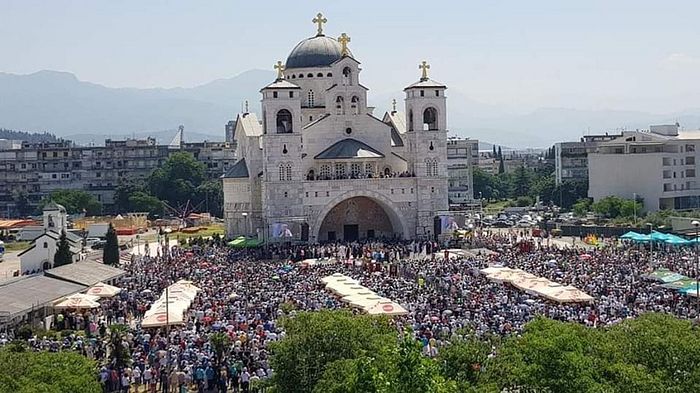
[[349, 148], [239, 170], [318, 51], [426, 84], [313, 123], [396, 140], [281, 84]]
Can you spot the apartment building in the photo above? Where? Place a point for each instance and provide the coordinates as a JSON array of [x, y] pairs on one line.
[[462, 157], [658, 165], [571, 158], [40, 168]]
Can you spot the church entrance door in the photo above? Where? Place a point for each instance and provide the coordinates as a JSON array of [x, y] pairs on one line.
[[351, 233]]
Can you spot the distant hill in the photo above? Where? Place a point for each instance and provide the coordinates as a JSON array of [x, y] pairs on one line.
[[27, 136], [89, 113]]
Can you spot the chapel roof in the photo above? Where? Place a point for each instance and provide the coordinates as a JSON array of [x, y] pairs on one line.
[[349, 148], [318, 51], [238, 170]]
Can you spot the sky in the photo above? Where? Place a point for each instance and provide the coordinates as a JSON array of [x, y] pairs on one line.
[[518, 55]]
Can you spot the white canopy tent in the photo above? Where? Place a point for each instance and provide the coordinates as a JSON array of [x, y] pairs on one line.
[[103, 290]]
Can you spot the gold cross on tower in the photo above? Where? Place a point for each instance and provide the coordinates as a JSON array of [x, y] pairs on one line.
[[319, 20], [425, 67], [344, 39], [279, 67]]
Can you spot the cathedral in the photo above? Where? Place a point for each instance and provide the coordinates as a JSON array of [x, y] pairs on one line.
[[321, 166]]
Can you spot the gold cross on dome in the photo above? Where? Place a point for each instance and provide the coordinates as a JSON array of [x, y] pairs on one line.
[[319, 20], [279, 67], [393, 103], [425, 67], [344, 39]]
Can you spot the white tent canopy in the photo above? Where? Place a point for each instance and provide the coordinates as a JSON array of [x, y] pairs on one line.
[[157, 319], [78, 301], [386, 308], [537, 286], [103, 290]]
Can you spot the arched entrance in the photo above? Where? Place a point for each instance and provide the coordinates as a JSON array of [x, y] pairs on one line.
[[356, 216]]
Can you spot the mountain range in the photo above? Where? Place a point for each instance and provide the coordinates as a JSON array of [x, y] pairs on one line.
[[86, 112]]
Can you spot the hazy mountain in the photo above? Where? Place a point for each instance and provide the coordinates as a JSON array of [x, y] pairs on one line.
[[60, 103], [88, 112]]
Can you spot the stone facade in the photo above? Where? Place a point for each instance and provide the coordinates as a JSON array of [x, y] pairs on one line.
[[322, 165]]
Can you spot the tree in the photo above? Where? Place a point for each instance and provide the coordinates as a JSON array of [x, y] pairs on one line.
[[176, 181], [501, 165], [614, 207], [75, 201], [110, 254], [500, 153], [582, 207], [314, 340], [211, 193], [219, 343], [521, 182], [140, 201], [123, 192], [494, 151], [29, 371], [463, 360], [21, 199], [119, 354], [524, 201], [63, 255]]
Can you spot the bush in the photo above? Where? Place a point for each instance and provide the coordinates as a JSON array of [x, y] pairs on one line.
[[524, 201], [25, 332]]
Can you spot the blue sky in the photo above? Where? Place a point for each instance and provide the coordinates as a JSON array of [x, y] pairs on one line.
[[517, 54]]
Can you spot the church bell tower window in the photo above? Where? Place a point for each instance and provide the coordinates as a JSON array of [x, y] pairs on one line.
[[430, 119], [284, 122]]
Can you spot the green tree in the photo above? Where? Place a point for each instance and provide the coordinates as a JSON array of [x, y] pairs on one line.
[[123, 192], [176, 181], [521, 182], [316, 339], [110, 254], [614, 207], [21, 199], [210, 195], [63, 255], [119, 353], [140, 201], [582, 207], [494, 151], [463, 361], [75, 201], [524, 201], [501, 165], [46, 372], [500, 153]]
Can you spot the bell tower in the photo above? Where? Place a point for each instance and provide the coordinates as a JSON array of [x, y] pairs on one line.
[[426, 134]]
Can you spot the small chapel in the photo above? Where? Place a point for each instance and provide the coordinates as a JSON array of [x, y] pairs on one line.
[[320, 165]]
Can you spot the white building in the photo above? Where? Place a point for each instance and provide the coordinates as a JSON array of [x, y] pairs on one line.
[[658, 165], [40, 255], [320, 166], [571, 158]]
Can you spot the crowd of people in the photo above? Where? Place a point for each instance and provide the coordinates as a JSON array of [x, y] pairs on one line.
[[245, 292]]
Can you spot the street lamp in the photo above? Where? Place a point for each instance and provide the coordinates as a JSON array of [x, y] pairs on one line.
[[634, 207], [696, 224]]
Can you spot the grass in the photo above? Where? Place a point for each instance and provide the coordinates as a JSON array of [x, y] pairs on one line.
[[16, 246]]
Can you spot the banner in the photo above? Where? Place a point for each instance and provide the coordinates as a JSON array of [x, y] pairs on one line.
[[448, 224], [281, 230]]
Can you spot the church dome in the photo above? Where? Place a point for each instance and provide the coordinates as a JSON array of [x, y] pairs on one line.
[[319, 51]]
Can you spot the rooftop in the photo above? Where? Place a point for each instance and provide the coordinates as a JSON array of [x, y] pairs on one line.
[[85, 273], [22, 295]]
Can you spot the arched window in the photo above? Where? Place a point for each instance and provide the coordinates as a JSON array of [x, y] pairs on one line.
[[309, 75], [325, 173], [387, 171], [431, 167], [293, 76], [329, 75], [311, 175], [311, 98], [282, 172], [430, 119], [347, 76], [301, 76], [410, 119], [285, 171], [355, 105], [319, 75], [339, 106], [284, 122]]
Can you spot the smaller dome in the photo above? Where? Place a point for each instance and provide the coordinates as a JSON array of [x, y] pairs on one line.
[[319, 51]]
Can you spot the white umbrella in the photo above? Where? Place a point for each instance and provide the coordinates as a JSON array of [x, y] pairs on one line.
[[158, 319], [103, 290], [77, 303]]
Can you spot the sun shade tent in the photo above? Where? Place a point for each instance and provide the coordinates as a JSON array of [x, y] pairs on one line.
[[568, 295], [533, 286], [77, 302], [334, 277], [386, 308], [160, 318], [103, 290], [349, 290], [365, 302], [341, 282], [665, 276]]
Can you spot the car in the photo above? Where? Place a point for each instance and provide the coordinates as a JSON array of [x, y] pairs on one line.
[[523, 223], [487, 222], [98, 245], [503, 224]]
